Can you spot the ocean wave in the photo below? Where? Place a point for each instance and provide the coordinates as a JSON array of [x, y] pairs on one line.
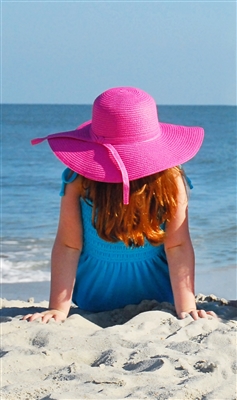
[[24, 271]]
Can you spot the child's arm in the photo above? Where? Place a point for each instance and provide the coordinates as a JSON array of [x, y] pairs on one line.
[[180, 257], [65, 256]]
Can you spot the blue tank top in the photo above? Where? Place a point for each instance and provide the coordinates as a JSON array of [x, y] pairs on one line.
[[112, 275]]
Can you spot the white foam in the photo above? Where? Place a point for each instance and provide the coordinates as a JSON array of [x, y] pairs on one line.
[[9, 242], [24, 271]]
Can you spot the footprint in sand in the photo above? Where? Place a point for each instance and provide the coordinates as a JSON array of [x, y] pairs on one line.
[[144, 366]]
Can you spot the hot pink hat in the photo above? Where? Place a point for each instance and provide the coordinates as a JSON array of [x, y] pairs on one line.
[[124, 140]]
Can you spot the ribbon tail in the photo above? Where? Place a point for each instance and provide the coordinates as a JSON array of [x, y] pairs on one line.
[[69, 134], [123, 171], [38, 140]]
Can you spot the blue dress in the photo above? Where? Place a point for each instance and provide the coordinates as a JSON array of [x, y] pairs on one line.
[[111, 275]]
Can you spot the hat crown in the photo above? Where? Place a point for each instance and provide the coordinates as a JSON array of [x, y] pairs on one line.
[[124, 115]]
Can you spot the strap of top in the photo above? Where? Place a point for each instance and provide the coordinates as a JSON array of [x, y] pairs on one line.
[[66, 180], [188, 180]]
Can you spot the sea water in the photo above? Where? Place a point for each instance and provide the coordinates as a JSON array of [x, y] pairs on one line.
[[31, 180]]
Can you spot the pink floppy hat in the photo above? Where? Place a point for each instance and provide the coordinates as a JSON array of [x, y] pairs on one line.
[[124, 140]]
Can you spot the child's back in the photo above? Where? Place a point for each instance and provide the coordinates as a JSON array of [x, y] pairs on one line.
[[119, 243]]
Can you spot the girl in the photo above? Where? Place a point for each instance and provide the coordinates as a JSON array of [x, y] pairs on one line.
[[123, 231]]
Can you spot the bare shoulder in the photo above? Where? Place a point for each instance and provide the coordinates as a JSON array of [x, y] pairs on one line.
[[72, 189], [70, 223], [182, 188], [177, 229]]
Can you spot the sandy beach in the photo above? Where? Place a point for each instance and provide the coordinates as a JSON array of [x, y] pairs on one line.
[[139, 352]]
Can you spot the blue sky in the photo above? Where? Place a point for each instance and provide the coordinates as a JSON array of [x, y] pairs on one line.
[[67, 52]]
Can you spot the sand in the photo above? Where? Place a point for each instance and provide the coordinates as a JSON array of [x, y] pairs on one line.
[[139, 352]]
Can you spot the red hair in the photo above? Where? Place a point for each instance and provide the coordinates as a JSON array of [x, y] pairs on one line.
[[153, 200]]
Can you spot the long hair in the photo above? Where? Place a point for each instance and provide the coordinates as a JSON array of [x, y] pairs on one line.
[[153, 201]]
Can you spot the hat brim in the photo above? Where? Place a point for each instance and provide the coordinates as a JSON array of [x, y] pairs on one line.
[[174, 145]]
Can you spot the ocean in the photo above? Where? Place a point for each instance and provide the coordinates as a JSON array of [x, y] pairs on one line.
[[31, 180]]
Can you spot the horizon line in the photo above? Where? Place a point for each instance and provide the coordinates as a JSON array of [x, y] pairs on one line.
[[91, 104]]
